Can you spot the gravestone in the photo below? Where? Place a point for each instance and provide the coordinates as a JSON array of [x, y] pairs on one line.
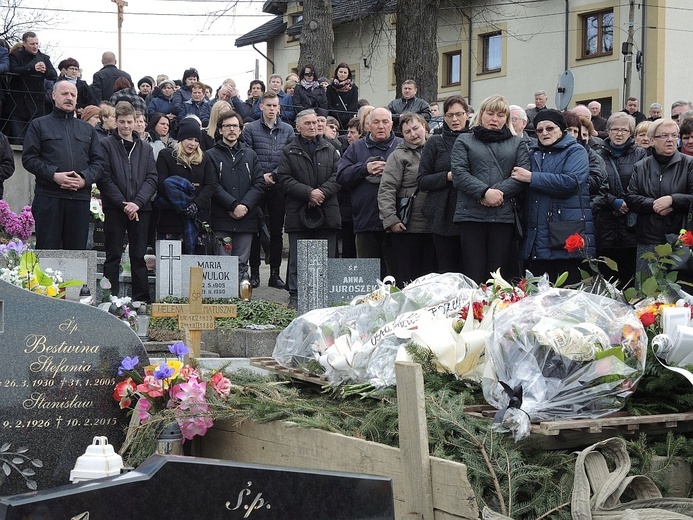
[[213, 489], [57, 378], [311, 261], [220, 277], [168, 268], [351, 277], [74, 265]]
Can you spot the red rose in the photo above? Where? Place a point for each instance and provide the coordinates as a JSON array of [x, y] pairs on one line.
[[686, 238], [647, 319], [574, 243], [227, 247]]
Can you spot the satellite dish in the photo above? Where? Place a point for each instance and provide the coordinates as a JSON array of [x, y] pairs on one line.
[[564, 89]]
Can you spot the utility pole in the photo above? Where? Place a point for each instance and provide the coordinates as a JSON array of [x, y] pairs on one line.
[[121, 4], [627, 51]]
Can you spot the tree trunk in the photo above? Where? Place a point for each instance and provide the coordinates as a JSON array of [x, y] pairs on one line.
[[417, 49], [317, 36]]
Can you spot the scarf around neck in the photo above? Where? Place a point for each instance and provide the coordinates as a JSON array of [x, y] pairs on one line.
[[342, 86], [309, 85], [487, 135]]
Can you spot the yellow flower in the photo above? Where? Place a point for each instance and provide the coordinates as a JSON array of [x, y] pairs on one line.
[[33, 283], [51, 291], [176, 365]]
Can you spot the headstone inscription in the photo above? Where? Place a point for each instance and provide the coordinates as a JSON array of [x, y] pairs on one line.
[[194, 316], [74, 265], [220, 276], [168, 268], [312, 275], [60, 361], [351, 277], [219, 489]]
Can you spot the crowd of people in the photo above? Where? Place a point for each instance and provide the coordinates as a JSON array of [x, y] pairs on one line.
[[420, 189]]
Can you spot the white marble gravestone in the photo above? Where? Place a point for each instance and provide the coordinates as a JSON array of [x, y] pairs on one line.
[[168, 269], [219, 276]]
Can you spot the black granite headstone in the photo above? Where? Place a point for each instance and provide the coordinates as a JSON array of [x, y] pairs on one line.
[[348, 278], [58, 372], [179, 487]]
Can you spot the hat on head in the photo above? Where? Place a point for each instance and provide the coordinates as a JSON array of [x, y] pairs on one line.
[[552, 115], [89, 111], [311, 217], [167, 82], [188, 129], [146, 80], [323, 79]]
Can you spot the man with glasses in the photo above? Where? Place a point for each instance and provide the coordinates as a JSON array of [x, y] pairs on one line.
[[238, 191], [268, 136], [518, 118], [678, 108], [307, 175]]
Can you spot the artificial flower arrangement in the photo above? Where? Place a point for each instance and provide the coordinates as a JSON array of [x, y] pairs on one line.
[[13, 225], [122, 308], [95, 206], [22, 269], [173, 386]]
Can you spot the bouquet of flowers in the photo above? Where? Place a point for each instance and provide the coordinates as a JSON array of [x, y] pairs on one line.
[[171, 386], [23, 270], [562, 354], [13, 225], [95, 206]]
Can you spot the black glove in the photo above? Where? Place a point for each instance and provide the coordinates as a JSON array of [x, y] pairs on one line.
[[191, 211]]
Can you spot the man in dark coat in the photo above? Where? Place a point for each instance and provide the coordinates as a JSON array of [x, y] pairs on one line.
[[29, 68], [64, 154], [6, 162], [238, 191], [102, 86], [307, 174], [127, 187]]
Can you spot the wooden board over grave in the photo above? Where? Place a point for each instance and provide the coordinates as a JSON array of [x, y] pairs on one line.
[[194, 316], [214, 489], [59, 370]]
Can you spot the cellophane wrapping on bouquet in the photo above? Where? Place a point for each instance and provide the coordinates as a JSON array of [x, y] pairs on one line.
[[358, 343], [562, 354]]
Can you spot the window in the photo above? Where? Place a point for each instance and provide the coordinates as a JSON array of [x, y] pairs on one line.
[[492, 49], [598, 34], [452, 67], [293, 20]]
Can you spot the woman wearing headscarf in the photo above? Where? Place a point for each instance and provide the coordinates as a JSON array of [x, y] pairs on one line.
[[482, 161], [308, 92], [558, 198]]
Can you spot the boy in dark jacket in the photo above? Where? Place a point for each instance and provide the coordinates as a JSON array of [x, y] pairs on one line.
[[127, 187]]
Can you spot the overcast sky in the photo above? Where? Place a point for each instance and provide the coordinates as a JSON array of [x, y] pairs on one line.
[[158, 36]]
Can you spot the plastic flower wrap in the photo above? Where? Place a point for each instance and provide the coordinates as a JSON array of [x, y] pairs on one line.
[[562, 354], [358, 343]]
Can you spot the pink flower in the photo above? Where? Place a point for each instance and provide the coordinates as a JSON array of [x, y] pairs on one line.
[[143, 410], [123, 393], [221, 384], [190, 393], [188, 372], [151, 386], [191, 426]]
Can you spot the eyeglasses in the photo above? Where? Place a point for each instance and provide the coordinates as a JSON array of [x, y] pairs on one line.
[[453, 115], [667, 137], [516, 119], [546, 129], [675, 117], [309, 73], [619, 130], [230, 126]]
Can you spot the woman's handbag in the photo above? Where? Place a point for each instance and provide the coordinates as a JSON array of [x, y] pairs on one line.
[[560, 230], [404, 205]]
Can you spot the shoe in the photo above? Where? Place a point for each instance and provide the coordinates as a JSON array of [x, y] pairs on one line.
[[275, 280], [255, 279], [293, 301]]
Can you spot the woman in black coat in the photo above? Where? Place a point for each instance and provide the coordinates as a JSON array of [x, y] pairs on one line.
[[435, 178], [614, 224], [308, 92], [342, 95]]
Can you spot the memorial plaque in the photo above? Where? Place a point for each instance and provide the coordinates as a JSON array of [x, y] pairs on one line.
[[74, 265], [312, 275], [219, 277], [196, 322], [189, 487], [57, 377], [168, 268], [351, 277]]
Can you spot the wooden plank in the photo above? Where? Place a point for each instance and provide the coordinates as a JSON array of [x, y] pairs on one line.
[[220, 310], [283, 444], [168, 310], [413, 439], [196, 321]]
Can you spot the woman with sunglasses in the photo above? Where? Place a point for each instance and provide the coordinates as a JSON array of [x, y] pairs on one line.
[[660, 190], [308, 92], [558, 197]]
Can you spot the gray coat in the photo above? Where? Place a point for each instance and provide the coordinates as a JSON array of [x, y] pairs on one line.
[[474, 171], [399, 180]]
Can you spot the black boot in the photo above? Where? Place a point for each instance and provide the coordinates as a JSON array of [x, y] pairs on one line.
[[275, 280], [255, 277]]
